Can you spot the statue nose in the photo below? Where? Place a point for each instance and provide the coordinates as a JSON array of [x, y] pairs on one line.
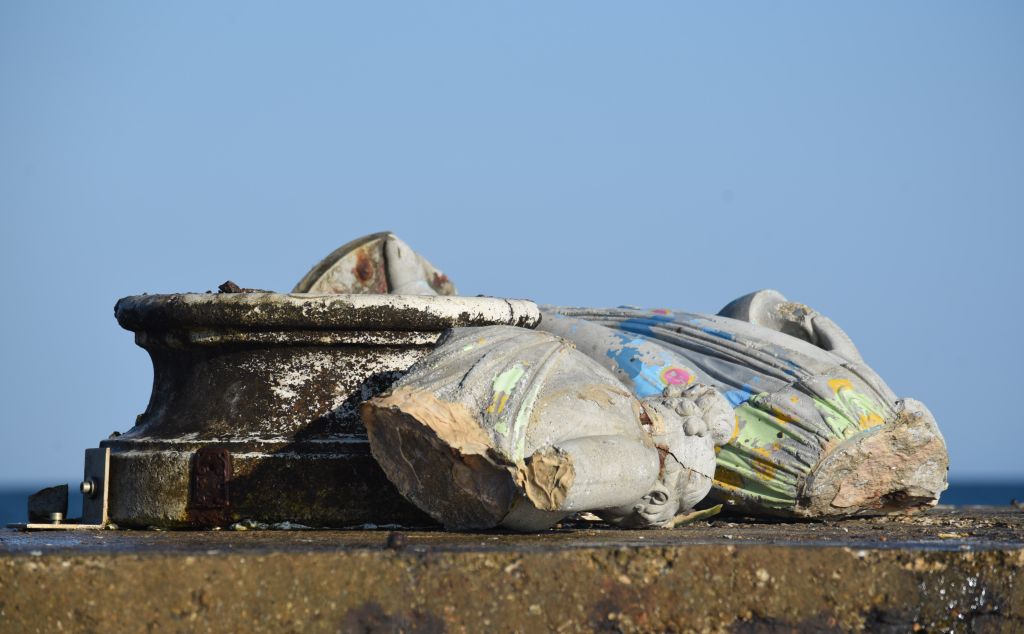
[[695, 426]]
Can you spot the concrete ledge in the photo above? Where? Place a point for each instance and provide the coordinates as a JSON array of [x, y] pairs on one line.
[[947, 570]]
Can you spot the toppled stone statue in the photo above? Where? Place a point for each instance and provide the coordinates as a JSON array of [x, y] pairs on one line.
[[813, 432]]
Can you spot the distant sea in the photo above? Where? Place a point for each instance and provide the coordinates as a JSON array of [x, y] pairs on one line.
[[13, 500]]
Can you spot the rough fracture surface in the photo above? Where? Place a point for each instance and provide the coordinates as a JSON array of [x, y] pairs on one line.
[[946, 570]]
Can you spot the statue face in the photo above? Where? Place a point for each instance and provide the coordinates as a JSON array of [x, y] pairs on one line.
[[658, 506], [689, 422], [674, 492], [654, 509]]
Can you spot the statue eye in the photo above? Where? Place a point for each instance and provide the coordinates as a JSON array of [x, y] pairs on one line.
[[658, 497]]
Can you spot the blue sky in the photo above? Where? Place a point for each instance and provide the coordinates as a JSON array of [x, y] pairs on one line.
[[864, 158]]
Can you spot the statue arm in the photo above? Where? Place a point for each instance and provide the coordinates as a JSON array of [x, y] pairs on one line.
[[607, 471], [771, 309]]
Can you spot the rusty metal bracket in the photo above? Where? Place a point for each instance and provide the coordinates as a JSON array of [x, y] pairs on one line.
[[95, 492], [210, 501], [95, 498]]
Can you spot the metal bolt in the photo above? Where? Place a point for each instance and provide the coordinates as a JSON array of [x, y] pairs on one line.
[[56, 517], [397, 541], [88, 487]]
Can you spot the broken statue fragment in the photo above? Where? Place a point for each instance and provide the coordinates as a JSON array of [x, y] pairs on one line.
[[504, 426], [815, 431]]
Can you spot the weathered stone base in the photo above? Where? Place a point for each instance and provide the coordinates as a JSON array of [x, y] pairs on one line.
[[944, 571]]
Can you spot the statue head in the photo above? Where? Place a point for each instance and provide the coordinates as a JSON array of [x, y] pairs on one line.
[[686, 424]]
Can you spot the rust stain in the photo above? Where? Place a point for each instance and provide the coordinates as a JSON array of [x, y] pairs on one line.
[[440, 283], [364, 268], [210, 503]]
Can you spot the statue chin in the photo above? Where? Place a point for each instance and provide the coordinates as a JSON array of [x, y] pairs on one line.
[[661, 504], [643, 514], [690, 488]]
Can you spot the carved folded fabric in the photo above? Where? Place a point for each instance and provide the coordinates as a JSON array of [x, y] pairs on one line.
[[503, 426], [816, 433], [378, 263]]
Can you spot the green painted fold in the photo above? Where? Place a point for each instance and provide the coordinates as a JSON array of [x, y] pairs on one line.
[[760, 466]]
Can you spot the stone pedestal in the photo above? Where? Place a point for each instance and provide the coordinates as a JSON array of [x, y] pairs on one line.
[[254, 414]]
